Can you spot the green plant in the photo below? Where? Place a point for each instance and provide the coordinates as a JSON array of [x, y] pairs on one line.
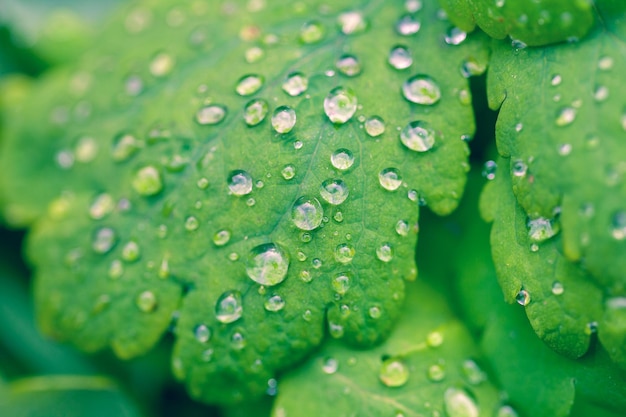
[[249, 177]]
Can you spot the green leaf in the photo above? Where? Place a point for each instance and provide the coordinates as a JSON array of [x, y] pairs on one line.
[[562, 302], [583, 107], [152, 211], [537, 22], [428, 366], [65, 396]]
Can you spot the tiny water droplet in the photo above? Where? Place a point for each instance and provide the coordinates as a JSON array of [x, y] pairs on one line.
[[341, 283], [408, 25], [211, 115], [344, 253], [618, 225], [267, 264], [283, 119], [312, 32], [307, 213], [458, 403], [436, 373], [351, 23], [317, 263], [202, 183], [131, 251], [238, 341], [254, 54], [566, 116], [418, 136], [374, 312], [455, 36], [334, 191], [101, 206], [86, 149], [147, 181], [124, 146], [519, 168], [557, 288], [472, 372], [384, 252], [489, 170], [274, 303], [506, 411], [239, 183], [523, 298], [541, 229], [338, 217], [393, 372], [421, 89], [342, 159], [605, 63], [556, 80], [249, 84], [390, 179], [116, 269], [402, 228], [146, 301], [221, 237], [103, 240], [400, 57], [295, 84], [255, 112], [434, 339], [330, 366], [348, 65], [202, 333], [228, 308], [340, 105], [375, 126], [162, 64], [335, 330]]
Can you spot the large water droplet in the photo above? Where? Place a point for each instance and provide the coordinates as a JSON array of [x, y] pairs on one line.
[[267, 264], [455, 36], [340, 105], [103, 240], [541, 229], [312, 32], [344, 253], [341, 283], [342, 159], [390, 179], [239, 182], [295, 84], [146, 301], [147, 181], [274, 303], [421, 89], [348, 65], [408, 25], [249, 84], [255, 112], [523, 298], [229, 307], [375, 126], [458, 403], [202, 333], [334, 191], [283, 119], [384, 252], [393, 372], [400, 57], [418, 136], [211, 115], [307, 213]]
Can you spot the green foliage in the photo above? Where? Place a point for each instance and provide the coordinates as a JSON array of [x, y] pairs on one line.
[[236, 188]]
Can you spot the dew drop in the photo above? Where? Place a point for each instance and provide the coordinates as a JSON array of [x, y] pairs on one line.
[[393, 373], [211, 115], [489, 170], [341, 283], [348, 65], [298, 145], [146, 301], [295, 84], [402, 228], [254, 54], [541, 229], [506, 411], [557, 288], [283, 119], [116, 269], [605, 63], [103, 240], [400, 57], [351, 23], [305, 276], [556, 80], [458, 403], [288, 172], [249, 84], [202, 333], [436, 373], [519, 168], [455, 36], [523, 298], [86, 149], [342, 159], [472, 372], [330, 366], [147, 181], [618, 225], [418, 136], [239, 183], [274, 303], [421, 89], [334, 191], [601, 93], [131, 251], [434, 339], [267, 264], [191, 223], [408, 25], [384, 252], [340, 105], [255, 112], [566, 116], [317, 263], [312, 32], [124, 146], [375, 126], [390, 179], [101, 206], [335, 330], [221, 237], [162, 64], [344, 253], [238, 341], [228, 308], [307, 213], [374, 312]]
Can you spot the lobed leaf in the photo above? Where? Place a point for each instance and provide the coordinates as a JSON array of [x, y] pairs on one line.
[[167, 191]]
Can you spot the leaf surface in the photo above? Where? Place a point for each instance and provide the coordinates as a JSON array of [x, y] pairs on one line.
[[163, 202]]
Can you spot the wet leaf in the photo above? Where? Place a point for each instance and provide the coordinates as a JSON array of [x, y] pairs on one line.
[[240, 176]]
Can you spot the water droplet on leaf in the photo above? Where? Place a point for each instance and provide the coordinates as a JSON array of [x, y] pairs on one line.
[[340, 105], [255, 112], [334, 191], [249, 84], [307, 213], [228, 308], [295, 84], [267, 264], [240, 183], [146, 301], [421, 89], [211, 115], [390, 179], [393, 372], [147, 181], [342, 159], [283, 119], [418, 136]]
